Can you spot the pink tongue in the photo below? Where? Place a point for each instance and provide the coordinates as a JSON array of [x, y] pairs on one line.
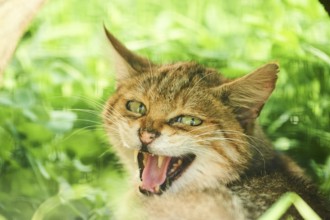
[[152, 175]]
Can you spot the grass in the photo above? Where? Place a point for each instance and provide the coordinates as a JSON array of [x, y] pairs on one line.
[[284, 203], [55, 161]]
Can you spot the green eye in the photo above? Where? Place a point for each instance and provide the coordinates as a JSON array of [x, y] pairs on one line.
[[136, 107], [188, 120]]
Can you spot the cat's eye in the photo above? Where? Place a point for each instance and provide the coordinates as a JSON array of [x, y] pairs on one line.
[[187, 120], [136, 107]]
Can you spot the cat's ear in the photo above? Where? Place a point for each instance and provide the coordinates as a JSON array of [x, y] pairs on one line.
[[127, 63], [247, 95]]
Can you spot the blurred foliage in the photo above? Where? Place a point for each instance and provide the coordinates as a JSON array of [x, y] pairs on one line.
[[55, 161]]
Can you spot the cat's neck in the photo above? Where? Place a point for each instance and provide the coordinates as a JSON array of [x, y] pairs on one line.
[[266, 159], [263, 153]]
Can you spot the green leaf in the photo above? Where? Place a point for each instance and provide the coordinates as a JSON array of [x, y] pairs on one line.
[[35, 132], [24, 98], [7, 145], [61, 121]]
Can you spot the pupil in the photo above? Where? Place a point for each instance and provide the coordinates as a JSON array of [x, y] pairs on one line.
[[192, 122], [140, 108]]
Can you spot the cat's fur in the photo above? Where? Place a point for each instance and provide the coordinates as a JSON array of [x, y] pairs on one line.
[[235, 173]]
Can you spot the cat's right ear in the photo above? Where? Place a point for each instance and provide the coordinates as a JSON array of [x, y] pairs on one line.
[[247, 95], [127, 64]]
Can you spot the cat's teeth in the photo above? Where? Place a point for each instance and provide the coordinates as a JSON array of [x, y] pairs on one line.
[[145, 155], [136, 152], [157, 188], [176, 165], [167, 183], [160, 161]]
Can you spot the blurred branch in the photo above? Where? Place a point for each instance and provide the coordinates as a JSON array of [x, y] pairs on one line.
[[326, 5], [15, 15]]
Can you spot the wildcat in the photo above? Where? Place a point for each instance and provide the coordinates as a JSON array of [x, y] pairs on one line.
[[189, 140]]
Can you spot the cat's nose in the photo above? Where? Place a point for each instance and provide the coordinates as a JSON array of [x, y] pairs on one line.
[[147, 136]]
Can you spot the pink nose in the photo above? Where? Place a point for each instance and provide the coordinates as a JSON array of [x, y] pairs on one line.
[[147, 137]]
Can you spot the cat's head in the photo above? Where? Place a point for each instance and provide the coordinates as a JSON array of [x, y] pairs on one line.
[[183, 126]]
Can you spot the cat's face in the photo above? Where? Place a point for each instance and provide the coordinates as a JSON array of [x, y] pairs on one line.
[[182, 126]]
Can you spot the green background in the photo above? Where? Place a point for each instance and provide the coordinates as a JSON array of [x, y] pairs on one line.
[[55, 160]]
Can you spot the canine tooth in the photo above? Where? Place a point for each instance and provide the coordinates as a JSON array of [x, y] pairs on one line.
[[179, 162], [157, 188], [160, 161], [167, 183], [145, 159], [136, 152]]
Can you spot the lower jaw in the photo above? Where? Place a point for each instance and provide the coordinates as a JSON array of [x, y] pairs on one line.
[[186, 161], [149, 193]]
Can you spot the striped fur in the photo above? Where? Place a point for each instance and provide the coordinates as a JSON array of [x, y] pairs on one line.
[[229, 147]]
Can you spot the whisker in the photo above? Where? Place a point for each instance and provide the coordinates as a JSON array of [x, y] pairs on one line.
[[98, 104]]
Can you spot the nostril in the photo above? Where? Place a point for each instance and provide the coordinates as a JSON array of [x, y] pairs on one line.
[[152, 136], [147, 137]]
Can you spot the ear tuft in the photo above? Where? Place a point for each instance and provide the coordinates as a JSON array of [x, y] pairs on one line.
[[127, 63], [247, 94]]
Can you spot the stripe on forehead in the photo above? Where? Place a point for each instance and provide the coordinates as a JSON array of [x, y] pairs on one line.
[[170, 80]]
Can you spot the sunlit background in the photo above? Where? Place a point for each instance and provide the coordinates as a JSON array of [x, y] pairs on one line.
[[55, 160]]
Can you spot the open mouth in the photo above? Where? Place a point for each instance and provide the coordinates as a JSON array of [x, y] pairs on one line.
[[157, 173]]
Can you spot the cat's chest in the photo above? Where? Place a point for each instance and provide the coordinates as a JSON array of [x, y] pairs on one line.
[[218, 204]]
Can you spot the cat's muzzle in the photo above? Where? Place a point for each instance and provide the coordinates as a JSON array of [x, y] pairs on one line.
[[157, 172]]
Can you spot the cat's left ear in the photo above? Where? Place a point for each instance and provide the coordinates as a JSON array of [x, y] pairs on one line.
[[247, 95], [127, 63]]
